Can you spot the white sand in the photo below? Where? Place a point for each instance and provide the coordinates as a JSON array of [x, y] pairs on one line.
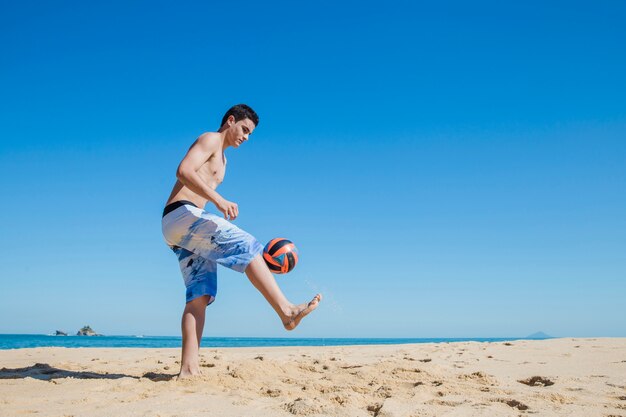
[[441, 379]]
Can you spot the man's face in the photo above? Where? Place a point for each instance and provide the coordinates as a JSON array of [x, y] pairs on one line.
[[240, 131]]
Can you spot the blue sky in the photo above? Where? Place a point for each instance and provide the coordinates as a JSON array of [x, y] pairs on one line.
[[446, 170]]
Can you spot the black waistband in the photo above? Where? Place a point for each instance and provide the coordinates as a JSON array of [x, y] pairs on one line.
[[173, 206]]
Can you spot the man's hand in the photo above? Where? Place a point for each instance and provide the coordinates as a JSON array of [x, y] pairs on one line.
[[228, 208]]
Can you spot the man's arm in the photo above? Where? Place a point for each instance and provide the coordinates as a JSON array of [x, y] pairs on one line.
[[203, 148]]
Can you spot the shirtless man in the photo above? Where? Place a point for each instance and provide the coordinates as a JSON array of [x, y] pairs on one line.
[[201, 240]]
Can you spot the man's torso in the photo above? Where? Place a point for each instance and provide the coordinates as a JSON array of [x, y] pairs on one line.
[[211, 172]]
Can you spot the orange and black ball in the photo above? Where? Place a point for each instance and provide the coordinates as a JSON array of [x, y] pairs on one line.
[[280, 255]]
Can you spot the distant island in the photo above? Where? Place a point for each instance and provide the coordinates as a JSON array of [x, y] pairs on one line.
[[87, 331], [539, 335], [84, 331]]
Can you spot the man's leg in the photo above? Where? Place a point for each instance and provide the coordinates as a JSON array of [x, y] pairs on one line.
[[259, 274], [192, 325]]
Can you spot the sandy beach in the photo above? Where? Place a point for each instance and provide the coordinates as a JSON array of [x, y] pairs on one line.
[[558, 377]]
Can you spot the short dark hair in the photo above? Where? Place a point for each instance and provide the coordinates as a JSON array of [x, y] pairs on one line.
[[240, 112]]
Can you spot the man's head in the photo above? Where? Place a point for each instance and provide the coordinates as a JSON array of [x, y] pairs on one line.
[[240, 112], [238, 123]]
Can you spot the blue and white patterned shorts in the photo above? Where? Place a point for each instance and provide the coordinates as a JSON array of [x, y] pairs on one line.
[[202, 240]]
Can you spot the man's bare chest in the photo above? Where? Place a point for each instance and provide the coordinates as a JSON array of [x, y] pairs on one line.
[[213, 170]]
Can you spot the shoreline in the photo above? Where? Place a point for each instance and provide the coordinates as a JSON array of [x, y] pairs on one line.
[[573, 377]]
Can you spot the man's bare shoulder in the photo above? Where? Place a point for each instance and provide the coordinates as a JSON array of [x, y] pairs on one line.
[[207, 144], [209, 140]]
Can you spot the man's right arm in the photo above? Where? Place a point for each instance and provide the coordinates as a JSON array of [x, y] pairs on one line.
[[207, 145]]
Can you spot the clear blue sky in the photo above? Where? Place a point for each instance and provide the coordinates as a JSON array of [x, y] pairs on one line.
[[445, 169]]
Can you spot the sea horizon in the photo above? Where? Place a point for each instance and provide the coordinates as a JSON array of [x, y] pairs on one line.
[[25, 340]]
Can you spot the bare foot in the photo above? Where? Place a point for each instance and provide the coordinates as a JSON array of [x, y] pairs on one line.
[[300, 311], [188, 373]]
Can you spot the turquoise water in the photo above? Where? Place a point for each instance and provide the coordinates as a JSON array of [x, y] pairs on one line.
[[17, 341]]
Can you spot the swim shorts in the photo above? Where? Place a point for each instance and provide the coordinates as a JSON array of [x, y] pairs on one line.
[[202, 240]]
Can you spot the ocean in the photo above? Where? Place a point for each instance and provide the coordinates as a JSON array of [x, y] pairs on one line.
[[19, 341]]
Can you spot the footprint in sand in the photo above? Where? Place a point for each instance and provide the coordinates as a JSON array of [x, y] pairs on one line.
[[374, 408], [340, 400], [514, 404], [536, 381], [383, 391], [301, 406], [269, 392]]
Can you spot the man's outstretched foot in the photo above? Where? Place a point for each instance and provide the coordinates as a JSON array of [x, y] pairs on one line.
[[300, 311]]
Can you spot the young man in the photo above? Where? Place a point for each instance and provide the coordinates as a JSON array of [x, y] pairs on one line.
[[202, 240]]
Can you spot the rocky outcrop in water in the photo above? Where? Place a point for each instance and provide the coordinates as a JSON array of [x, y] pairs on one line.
[[87, 331]]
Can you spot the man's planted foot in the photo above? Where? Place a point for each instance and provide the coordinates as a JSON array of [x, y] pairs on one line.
[[186, 372]]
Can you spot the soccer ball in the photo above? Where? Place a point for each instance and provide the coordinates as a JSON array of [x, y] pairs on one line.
[[280, 255]]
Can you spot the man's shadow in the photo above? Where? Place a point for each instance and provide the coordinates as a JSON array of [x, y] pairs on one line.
[[45, 372]]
